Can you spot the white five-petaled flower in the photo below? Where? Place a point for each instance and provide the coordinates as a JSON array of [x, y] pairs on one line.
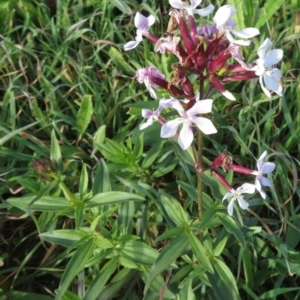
[[268, 76], [246, 188], [263, 168], [225, 25], [191, 9], [142, 24], [187, 118], [146, 76]]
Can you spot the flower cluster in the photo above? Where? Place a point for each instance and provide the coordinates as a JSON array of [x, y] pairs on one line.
[[212, 52], [226, 162]]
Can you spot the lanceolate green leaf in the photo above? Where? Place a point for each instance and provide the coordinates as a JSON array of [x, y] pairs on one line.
[[167, 256], [232, 227], [46, 203], [63, 237], [83, 183], [112, 198], [152, 154], [49, 186], [100, 280], [55, 153], [138, 252], [76, 264], [222, 281], [200, 253], [101, 182], [84, 114]]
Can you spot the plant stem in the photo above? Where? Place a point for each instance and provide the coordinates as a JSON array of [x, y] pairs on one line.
[[200, 162], [199, 170]]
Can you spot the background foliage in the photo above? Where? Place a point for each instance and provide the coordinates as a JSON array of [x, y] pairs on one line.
[[115, 217]]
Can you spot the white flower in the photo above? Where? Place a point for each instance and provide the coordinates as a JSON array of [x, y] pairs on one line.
[[142, 24], [190, 9], [269, 76], [246, 188], [146, 76], [225, 25], [153, 114], [263, 168], [187, 118]]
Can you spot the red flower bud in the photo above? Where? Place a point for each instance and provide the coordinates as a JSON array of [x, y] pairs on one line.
[[238, 77]]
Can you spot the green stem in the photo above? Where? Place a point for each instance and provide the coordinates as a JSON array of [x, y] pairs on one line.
[[199, 170], [199, 167]]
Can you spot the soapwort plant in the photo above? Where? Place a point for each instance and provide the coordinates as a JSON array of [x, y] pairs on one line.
[[208, 57], [214, 56], [164, 211]]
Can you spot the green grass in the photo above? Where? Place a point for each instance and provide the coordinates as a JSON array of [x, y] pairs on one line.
[[116, 214]]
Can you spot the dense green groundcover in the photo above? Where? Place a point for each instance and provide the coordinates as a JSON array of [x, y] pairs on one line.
[[94, 208]]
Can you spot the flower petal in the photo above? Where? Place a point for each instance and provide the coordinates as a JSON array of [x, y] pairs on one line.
[[186, 136], [204, 124], [140, 21], [231, 39], [228, 195], [150, 88], [272, 84], [147, 113], [267, 167], [267, 93], [177, 4], [246, 33], [263, 155], [263, 194], [170, 128], [230, 207], [200, 107], [223, 14], [130, 45], [265, 181], [174, 103], [151, 20], [204, 11], [246, 188], [263, 48], [149, 122], [273, 57], [258, 185], [242, 203]]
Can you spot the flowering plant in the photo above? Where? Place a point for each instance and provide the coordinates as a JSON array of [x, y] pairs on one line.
[[212, 54]]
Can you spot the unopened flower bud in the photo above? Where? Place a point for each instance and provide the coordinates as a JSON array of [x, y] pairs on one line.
[[220, 88], [219, 61], [187, 86], [240, 169], [185, 32], [239, 77], [223, 160], [46, 168]]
